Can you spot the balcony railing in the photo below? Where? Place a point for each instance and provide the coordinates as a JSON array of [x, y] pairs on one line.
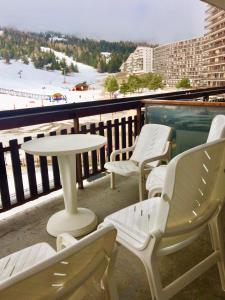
[[24, 177], [190, 121]]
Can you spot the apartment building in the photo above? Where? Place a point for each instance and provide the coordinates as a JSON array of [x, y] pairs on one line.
[[179, 60], [214, 47], [201, 59], [140, 61]]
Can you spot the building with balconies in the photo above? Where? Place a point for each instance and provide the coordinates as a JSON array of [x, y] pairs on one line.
[[179, 60], [214, 47], [140, 61]]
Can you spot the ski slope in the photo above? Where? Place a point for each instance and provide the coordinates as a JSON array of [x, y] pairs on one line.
[[21, 77]]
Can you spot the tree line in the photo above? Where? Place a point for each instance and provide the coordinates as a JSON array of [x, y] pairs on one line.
[[15, 44], [134, 83]]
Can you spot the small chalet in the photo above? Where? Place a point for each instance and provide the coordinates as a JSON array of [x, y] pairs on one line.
[[81, 87]]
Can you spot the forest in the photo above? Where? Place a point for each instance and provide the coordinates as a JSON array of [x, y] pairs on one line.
[[26, 46]]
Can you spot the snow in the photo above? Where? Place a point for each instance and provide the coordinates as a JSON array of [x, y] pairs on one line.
[[46, 83], [59, 39], [107, 56]]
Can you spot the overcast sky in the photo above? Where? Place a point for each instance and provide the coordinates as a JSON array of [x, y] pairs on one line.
[[138, 20]]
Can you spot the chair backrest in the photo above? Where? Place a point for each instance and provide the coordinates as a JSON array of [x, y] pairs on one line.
[[151, 142], [70, 272], [194, 188], [217, 128]]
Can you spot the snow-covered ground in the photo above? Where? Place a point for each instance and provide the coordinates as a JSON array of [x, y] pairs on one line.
[[46, 82]]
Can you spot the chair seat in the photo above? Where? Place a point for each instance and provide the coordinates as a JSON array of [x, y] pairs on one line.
[[23, 259], [135, 224], [156, 179], [135, 221], [123, 167]]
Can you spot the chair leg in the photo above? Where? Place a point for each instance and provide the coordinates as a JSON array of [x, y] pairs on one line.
[[141, 187], [108, 282], [149, 277], [112, 180], [218, 244], [154, 281], [110, 288]]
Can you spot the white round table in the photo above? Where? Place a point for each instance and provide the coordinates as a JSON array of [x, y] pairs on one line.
[[73, 220]]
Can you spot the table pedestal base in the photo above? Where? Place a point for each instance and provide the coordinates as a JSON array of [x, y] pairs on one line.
[[81, 223]]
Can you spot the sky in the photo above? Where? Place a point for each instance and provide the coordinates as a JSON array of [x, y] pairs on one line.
[[157, 21]]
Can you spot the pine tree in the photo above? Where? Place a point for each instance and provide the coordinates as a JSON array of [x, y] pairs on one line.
[[5, 56], [73, 68], [25, 60]]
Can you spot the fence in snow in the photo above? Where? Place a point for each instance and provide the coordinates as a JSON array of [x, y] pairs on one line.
[[25, 94]]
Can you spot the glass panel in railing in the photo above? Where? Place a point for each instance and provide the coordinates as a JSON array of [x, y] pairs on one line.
[[190, 123]]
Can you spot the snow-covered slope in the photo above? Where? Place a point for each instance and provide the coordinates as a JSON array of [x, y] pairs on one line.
[[84, 70], [46, 82], [35, 79]]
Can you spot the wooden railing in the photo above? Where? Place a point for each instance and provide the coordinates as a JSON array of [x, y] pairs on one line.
[[119, 133], [22, 182]]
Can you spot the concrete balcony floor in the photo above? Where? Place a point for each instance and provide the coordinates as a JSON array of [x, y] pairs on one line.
[[28, 227]]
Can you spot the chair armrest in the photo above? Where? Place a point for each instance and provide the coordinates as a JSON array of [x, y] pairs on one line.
[[123, 150], [164, 155], [64, 240]]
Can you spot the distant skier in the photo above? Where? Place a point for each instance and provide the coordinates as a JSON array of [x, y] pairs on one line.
[[20, 73]]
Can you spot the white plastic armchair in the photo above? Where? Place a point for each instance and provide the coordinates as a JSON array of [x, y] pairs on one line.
[[155, 179], [39, 272], [192, 198], [149, 149]]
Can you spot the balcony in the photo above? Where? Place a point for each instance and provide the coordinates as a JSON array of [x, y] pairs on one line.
[[24, 215]]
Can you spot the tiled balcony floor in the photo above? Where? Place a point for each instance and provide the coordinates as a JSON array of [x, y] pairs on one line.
[[24, 229]]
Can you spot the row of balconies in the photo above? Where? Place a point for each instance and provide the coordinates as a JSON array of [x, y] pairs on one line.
[[216, 29], [218, 15], [219, 37]]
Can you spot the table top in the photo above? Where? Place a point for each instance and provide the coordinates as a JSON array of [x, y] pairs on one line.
[[63, 144]]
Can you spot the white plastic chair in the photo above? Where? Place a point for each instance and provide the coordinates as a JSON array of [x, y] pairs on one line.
[[192, 198], [155, 179], [39, 272], [149, 149]]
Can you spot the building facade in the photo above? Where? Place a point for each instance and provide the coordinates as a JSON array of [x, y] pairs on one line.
[[182, 59], [140, 61], [214, 47], [202, 59]]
